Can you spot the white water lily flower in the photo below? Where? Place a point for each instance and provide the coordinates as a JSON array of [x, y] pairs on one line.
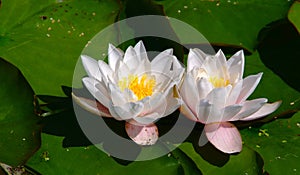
[[214, 93], [132, 88]]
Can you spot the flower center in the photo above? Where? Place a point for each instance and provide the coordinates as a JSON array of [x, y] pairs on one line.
[[218, 82], [141, 86]]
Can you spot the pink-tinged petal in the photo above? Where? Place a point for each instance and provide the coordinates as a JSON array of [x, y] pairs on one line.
[[249, 85], [266, 109], [140, 51], [236, 66], [97, 90], [195, 59], [249, 108], [188, 92], [92, 106], [224, 136], [142, 135], [91, 67], [234, 93], [115, 55], [129, 110], [106, 71], [203, 87]]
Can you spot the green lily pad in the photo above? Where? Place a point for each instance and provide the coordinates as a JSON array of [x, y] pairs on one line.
[[246, 162], [45, 38], [52, 158], [20, 133], [278, 143], [227, 22], [294, 14], [272, 87]]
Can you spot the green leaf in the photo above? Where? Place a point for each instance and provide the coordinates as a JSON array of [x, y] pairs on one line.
[[52, 158], [278, 143], [294, 14], [246, 162], [227, 22], [20, 133], [272, 87], [45, 38]]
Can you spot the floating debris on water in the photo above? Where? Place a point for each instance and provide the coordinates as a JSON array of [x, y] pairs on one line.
[[263, 132], [185, 6], [24, 139], [179, 11], [48, 35]]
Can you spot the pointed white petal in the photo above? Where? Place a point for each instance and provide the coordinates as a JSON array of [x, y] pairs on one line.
[[234, 93], [204, 109], [249, 85], [266, 109], [140, 50], [195, 58], [189, 94], [114, 56], [224, 136], [98, 91], [131, 59], [236, 66], [92, 106], [91, 67], [161, 64], [249, 108], [106, 71]]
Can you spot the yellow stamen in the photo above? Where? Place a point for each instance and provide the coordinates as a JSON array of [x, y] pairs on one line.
[[218, 82], [141, 86]]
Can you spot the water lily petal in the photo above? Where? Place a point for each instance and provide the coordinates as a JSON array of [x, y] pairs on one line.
[[92, 106], [128, 110], [189, 93], [195, 58], [114, 56], [236, 66], [117, 95], [231, 111], [249, 108], [161, 64], [249, 85], [234, 93], [186, 111], [224, 136], [97, 90], [140, 51], [106, 71], [148, 119], [91, 67], [204, 109], [131, 59], [222, 65], [203, 87], [266, 109], [142, 135]]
